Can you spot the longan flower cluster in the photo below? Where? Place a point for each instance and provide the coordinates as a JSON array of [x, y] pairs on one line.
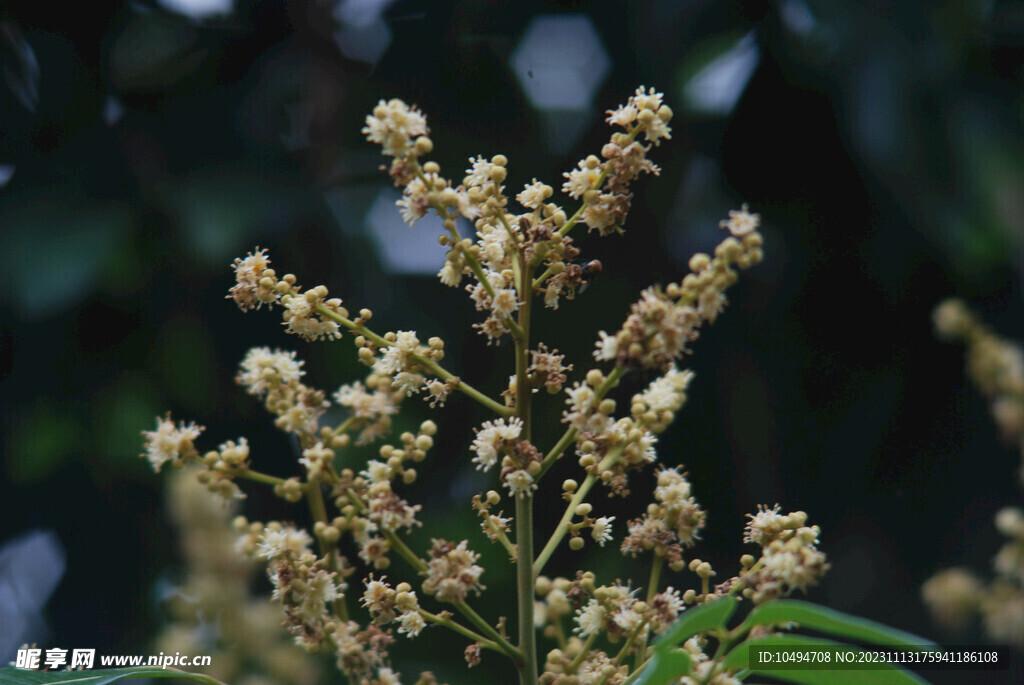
[[672, 522], [303, 583], [452, 571], [256, 284], [662, 323], [275, 377], [170, 443], [605, 209], [212, 611], [613, 611], [506, 242], [790, 558], [521, 251], [994, 364], [610, 447], [393, 605], [956, 596]]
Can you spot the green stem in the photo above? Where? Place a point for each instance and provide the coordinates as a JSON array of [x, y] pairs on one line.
[[346, 424], [444, 620], [652, 583], [652, 589], [524, 501], [524, 588], [255, 476], [563, 443]]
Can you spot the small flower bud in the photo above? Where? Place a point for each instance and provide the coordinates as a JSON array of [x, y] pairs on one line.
[[576, 544], [424, 145]]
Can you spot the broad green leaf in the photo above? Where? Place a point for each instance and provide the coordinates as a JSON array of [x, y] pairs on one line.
[[813, 617], [713, 614], [20, 676], [738, 660], [666, 666]]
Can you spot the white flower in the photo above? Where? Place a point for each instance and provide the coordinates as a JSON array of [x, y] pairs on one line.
[[168, 442], [276, 543], [581, 179], [365, 404], [408, 382], [520, 482], [581, 402], [411, 623], [263, 370], [607, 347], [393, 125], [377, 471], [450, 275], [741, 222], [665, 393], [534, 194], [504, 302], [623, 116], [673, 489], [406, 341], [490, 438], [386, 676], [391, 361], [590, 619], [601, 530], [479, 173], [765, 525]]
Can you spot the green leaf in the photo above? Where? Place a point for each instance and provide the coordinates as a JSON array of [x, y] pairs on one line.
[[707, 616], [813, 617], [666, 666], [879, 674], [20, 676]]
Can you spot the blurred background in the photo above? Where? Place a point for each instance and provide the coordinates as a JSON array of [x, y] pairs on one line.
[[145, 144]]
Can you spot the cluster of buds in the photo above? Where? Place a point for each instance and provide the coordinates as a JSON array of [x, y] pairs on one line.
[[452, 571], [310, 315], [610, 447], [600, 527], [625, 158], [672, 522], [393, 605], [662, 323], [303, 583], [790, 558], [275, 376], [399, 357], [613, 611]]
